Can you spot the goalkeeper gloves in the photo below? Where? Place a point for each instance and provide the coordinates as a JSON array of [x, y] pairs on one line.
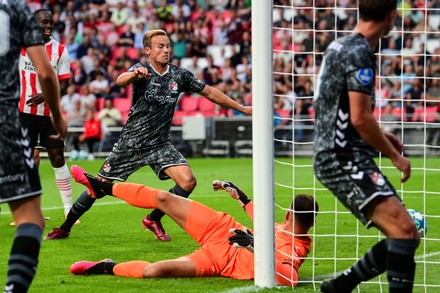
[[233, 191], [242, 239]]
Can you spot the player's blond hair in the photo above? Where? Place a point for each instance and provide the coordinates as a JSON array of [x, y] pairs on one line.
[[146, 40]]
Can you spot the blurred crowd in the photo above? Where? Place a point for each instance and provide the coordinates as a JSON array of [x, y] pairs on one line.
[[409, 59], [212, 38]]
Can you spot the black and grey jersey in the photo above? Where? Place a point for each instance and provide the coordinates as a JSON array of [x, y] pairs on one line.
[[348, 65], [154, 102], [18, 29]]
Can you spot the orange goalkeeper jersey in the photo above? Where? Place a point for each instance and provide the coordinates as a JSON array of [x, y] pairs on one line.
[[216, 257]]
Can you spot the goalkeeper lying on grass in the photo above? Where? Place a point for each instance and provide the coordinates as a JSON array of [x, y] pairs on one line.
[[223, 240]]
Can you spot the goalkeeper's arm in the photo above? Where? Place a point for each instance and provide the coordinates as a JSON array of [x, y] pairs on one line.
[[243, 200], [286, 274]]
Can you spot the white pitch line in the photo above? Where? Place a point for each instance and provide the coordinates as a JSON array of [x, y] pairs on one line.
[[60, 207], [427, 255], [243, 289]]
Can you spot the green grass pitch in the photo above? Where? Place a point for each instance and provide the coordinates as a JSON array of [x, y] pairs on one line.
[[112, 229]]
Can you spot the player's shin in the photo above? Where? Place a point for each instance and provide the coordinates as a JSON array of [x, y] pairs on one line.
[[136, 194], [131, 269]]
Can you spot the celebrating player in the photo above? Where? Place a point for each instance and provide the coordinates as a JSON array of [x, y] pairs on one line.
[[145, 138], [35, 114], [20, 184], [346, 137], [222, 239]]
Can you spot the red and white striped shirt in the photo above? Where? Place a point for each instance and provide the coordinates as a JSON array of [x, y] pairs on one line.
[[29, 84]]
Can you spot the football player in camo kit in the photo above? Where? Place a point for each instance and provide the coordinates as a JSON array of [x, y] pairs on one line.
[[346, 137], [19, 181], [145, 138]]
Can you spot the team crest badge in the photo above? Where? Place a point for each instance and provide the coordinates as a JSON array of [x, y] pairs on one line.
[[378, 178], [107, 167], [174, 86]]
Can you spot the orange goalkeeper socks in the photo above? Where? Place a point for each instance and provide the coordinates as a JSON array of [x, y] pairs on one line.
[[137, 195], [131, 269]]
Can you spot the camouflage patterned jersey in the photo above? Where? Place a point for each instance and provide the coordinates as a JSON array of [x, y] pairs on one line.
[[18, 29], [18, 173], [154, 101], [348, 65]]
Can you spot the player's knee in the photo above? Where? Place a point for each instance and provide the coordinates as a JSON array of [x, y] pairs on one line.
[[404, 230], [57, 159], [410, 229], [164, 197], [157, 270], [189, 183]]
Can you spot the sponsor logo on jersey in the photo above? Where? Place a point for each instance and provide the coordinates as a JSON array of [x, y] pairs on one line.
[[365, 76]]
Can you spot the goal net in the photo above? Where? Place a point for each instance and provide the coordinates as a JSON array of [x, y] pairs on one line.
[[407, 104]]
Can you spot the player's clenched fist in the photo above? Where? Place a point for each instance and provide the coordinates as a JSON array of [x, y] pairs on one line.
[[141, 72]]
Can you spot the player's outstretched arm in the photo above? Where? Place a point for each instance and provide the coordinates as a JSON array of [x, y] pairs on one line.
[[243, 200], [216, 96], [49, 86]]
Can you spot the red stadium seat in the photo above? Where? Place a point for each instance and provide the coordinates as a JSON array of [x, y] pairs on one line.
[[132, 53], [189, 103], [431, 113], [206, 107], [116, 52], [312, 114], [418, 114], [378, 112], [399, 113], [285, 114], [100, 103], [124, 105]]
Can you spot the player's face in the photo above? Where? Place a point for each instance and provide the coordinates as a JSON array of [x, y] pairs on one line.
[[160, 50], [390, 23], [45, 20]]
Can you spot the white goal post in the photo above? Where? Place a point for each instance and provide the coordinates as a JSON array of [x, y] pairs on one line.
[[338, 239], [262, 136]]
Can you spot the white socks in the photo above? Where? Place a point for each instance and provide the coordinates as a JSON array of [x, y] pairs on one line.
[[62, 177]]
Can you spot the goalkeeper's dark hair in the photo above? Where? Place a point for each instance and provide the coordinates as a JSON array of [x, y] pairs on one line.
[[376, 10], [305, 208]]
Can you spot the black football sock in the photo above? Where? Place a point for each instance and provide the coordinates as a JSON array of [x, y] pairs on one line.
[[81, 205], [103, 267], [369, 266], [156, 214], [400, 265], [100, 187], [23, 259]]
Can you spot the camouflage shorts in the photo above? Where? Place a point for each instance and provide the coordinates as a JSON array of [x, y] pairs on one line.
[[18, 173], [122, 162], [354, 178]]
